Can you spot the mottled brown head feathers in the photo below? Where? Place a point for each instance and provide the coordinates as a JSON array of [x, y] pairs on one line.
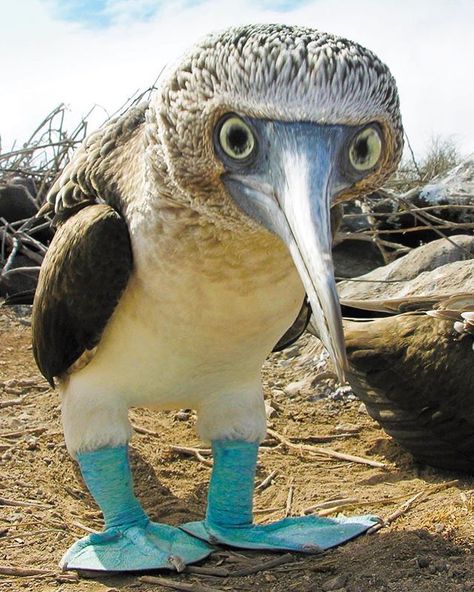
[[272, 72], [164, 149]]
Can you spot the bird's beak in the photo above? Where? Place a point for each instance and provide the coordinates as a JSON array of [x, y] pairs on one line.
[[291, 194]]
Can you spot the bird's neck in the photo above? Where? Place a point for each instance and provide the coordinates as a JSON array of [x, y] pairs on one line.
[[173, 239]]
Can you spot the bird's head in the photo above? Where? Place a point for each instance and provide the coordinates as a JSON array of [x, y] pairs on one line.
[[269, 126]]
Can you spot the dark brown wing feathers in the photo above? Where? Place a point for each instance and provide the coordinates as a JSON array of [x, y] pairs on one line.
[[416, 376], [83, 275], [297, 328]]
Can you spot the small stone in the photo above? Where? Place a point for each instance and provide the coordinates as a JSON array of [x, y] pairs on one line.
[[334, 584], [270, 411], [183, 414], [362, 409], [422, 562], [295, 388], [270, 577], [439, 527], [32, 443]]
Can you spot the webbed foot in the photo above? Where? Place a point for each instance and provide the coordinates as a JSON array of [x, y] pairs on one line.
[[306, 534], [229, 519], [135, 548]]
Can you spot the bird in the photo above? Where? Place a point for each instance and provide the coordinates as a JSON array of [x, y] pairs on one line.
[[190, 230], [411, 359]]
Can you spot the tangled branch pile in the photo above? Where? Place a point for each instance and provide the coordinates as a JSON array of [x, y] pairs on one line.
[[26, 174], [374, 231]]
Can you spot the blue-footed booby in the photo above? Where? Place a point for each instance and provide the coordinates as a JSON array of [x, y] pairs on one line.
[[189, 231]]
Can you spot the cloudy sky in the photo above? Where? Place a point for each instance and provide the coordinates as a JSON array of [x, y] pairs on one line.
[[100, 52]]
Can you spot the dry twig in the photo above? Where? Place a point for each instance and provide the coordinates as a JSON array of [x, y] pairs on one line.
[[301, 448], [9, 570], [267, 481], [175, 585], [197, 452], [406, 506]]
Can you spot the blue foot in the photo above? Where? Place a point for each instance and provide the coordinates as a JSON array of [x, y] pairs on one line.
[[306, 534], [229, 510], [135, 548], [130, 541]]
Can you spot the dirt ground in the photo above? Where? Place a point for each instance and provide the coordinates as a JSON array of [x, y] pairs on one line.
[[44, 505]]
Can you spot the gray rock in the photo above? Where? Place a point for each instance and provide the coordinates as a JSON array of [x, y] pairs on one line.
[[437, 268]]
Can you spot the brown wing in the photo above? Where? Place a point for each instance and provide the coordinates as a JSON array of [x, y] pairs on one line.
[[297, 328], [89, 260], [416, 377], [83, 275]]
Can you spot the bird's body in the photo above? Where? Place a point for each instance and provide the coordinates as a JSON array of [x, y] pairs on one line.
[[413, 367], [415, 375], [190, 229], [191, 330]]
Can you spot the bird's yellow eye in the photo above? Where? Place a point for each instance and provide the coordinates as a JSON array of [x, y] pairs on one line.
[[365, 149], [236, 138]]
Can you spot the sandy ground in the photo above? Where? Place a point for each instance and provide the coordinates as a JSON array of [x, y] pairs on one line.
[[44, 505]]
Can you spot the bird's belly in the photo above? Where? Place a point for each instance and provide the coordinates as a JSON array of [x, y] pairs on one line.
[[176, 340]]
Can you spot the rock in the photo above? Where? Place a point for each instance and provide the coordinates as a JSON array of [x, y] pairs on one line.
[[433, 269], [14, 282], [353, 258], [16, 202], [270, 411], [334, 584], [422, 562], [294, 388]]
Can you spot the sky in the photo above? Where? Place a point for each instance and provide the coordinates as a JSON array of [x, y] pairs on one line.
[[101, 52]]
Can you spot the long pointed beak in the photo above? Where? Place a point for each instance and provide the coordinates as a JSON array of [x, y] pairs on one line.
[[306, 204], [293, 200]]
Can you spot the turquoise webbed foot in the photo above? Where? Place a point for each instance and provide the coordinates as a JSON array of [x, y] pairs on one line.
[[135, 548], [229, 512], [130, 541], [305, 534]]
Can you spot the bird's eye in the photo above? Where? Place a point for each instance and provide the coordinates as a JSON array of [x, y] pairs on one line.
[[365, 149], [236, 138]]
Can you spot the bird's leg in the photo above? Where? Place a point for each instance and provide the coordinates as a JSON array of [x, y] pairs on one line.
[[229, 512], [130, 541]]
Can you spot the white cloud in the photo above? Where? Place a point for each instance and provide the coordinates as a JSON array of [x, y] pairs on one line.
[[427, 44]]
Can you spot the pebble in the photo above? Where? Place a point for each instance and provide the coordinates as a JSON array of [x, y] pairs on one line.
[[362, 409], [183, 414], [334, 584], [296, 387], [422, 562], [32, 443], [270, 577], [270, 411]]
